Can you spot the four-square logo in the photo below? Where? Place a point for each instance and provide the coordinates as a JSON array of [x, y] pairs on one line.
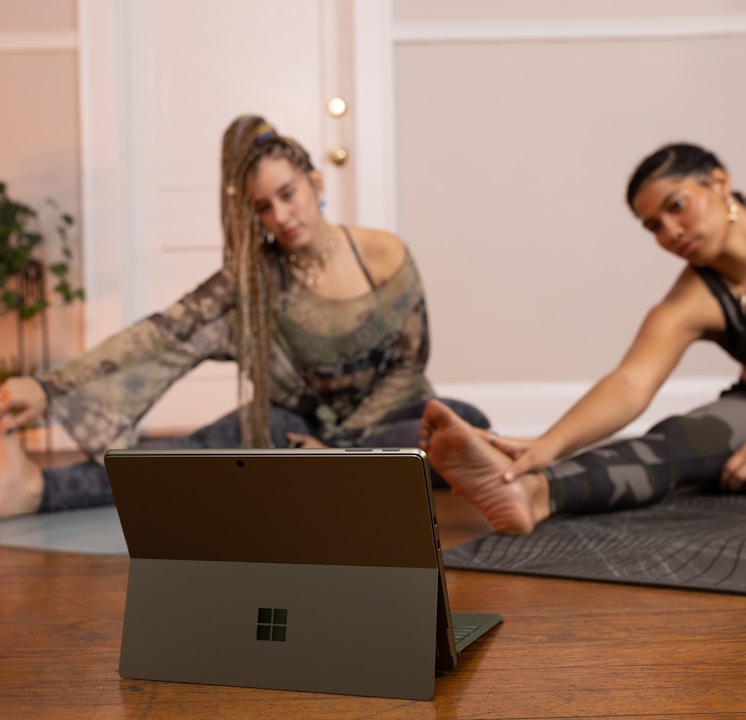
[[271, 624]]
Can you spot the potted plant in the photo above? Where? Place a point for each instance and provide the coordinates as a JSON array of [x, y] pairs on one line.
[[22, 284]]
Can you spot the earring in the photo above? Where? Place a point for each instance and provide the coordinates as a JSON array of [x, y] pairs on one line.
[[732, 210], [269, 237], [322, 204]]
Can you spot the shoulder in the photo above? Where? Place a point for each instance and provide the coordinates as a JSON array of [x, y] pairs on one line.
[[687, 313], [381, 252], [690, 305], [688, 288]]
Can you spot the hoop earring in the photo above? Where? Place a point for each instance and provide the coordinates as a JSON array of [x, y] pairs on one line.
[[732, 210]]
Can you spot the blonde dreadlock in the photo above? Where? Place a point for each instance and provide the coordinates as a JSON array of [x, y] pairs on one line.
[[248, 140]]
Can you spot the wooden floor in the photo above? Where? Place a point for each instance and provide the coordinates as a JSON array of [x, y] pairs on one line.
[[567, 649]]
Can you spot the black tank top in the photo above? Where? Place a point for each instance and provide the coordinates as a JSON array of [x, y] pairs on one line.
[[733, 340]]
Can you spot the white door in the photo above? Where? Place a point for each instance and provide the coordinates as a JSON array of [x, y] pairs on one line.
[[160, 81]]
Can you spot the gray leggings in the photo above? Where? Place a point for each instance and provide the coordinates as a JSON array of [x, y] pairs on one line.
[[682, 451], [87, 485]]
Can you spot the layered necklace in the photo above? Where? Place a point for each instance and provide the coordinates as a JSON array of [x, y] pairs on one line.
[[310, 266]]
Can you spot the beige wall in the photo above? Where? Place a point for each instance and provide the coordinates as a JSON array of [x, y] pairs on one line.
[[40, 140], [34, 16], [518, 124]]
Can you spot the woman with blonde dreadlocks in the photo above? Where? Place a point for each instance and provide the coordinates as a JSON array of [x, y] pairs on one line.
[[328, 325]]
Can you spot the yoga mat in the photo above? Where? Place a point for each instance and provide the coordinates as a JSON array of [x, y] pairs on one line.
[[690, 541], [94, 531]]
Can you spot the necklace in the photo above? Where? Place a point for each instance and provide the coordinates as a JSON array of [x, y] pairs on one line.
[[309, 267]]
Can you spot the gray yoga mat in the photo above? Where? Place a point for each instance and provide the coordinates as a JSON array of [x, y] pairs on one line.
[[690, 541], [94, 531]]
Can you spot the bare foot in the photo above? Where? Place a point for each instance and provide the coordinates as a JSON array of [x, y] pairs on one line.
[[472, 467], [21, 482]]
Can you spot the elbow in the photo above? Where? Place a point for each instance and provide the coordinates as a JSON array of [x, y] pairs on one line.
[[635, 394]]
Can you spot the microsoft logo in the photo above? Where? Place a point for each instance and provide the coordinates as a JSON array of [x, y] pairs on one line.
[[271, 624]]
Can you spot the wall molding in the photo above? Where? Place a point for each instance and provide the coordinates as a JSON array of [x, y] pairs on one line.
[[41, 42], [374, 116], [570, 30]]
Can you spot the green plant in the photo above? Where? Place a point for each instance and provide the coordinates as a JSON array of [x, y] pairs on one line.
[[22, 286]]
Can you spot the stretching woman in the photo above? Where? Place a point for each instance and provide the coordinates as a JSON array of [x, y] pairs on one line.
[[328, 325], [682, 194]]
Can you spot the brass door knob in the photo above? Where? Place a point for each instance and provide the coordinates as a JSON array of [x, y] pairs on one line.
[[338, 155], [336, 107]]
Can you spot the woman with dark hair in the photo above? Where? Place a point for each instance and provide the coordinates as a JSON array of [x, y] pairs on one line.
[[328, 326], [682, 194]]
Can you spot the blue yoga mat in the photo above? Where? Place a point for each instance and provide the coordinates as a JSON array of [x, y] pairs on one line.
[[96, 531]]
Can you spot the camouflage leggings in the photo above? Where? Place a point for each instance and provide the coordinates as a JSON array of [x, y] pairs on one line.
[[684, 450]]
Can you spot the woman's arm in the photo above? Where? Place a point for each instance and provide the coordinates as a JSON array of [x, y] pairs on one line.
[[100, 396], [688, 311]]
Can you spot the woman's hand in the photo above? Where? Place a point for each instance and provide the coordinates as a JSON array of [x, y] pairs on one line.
[[306, 442], [22, 399], [528, 455], [733, 477], [513, 447]]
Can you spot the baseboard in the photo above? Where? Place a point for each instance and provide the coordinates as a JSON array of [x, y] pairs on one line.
[[526, 409], [520, 409]]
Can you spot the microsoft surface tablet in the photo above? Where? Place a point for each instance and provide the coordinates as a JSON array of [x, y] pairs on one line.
[[315, 570]]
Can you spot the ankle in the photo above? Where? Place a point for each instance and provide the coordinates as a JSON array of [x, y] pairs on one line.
[[540, 499]]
